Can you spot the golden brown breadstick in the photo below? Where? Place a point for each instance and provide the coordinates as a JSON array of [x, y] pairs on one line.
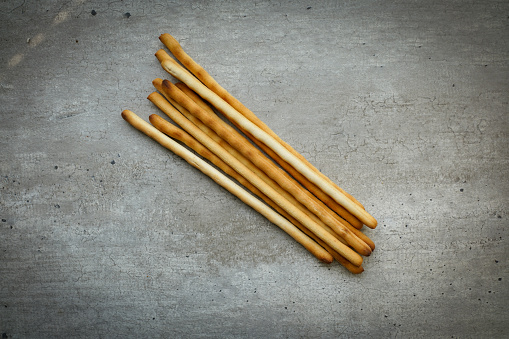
[[158, 84], [230, 135], [229, 185], [275, 196], [178, 72], [333, 205], [177, 133], [173, 45]]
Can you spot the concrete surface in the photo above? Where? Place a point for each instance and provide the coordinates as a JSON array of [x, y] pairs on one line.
[[105, 234]]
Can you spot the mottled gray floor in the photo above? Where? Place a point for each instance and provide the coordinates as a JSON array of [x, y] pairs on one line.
[[105, 234]]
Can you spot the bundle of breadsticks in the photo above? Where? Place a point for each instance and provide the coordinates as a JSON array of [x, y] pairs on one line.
[[249, 160]]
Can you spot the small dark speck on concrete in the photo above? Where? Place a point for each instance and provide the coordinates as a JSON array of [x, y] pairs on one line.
[[461, 189], [93, 12], [112, 162], [452, 85], [499, 279], [56, 167], [309, 7], [77, 41], [4, 335], [4, 220], [496, 261], [127, 15], [499, 216]]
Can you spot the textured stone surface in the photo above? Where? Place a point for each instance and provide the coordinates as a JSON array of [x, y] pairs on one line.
[[105, 234]]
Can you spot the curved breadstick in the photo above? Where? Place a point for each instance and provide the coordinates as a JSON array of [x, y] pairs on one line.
[[333, 205], [231, 136], [178, 72], [177, 133], [229, 185], [274, 195], [173, 45]]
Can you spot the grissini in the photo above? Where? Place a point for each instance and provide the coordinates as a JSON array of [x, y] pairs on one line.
[[274, 195], [178, 134], [231, 136], [183, 75], [228, 184], [176, 49], [333, 205], [158, 83]]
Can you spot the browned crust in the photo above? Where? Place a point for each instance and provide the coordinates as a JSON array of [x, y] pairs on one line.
[[268, 167]]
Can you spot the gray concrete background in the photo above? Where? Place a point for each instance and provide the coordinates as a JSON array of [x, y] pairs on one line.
[[105, 234]]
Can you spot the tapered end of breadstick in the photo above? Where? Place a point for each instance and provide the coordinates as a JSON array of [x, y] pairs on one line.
[[161, 55], [169, 41]]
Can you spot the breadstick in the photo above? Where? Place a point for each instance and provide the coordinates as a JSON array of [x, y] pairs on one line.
[[229, 185], [158, 84], [333, 205], [198, 100], [178, 72], [176, 133], [172, 44], [275, 196], [249, 151]]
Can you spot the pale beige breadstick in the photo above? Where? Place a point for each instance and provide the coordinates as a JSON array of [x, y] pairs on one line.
[[180, 73], [275, 196], [333, 205], [229, 185], [230, 135], [158, 84], [177, 133], [173, 45]]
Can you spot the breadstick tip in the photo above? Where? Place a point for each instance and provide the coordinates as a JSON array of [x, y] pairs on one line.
[[168, 40], [126, 114], [152, 95], [157, 81], [161, 55]]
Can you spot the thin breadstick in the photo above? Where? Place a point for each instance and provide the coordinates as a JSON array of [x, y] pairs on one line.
[[181, 74], [229, 185], [176, 49], [275, 196], [158, 84], [353, 227], [230, 135], [333, 205], [177, 133]]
